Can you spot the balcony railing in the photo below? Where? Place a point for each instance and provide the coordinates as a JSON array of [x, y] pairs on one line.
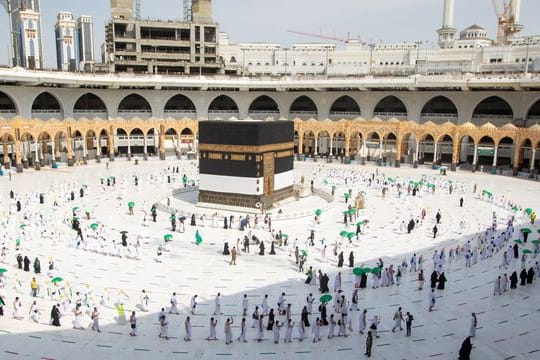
[[389, 115]]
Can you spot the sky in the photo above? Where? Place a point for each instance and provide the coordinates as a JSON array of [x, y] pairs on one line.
[[391, 21]]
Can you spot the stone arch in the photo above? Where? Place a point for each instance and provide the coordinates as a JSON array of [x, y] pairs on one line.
[[180, 106], [135, 105], [493, 109], [344, 107], [303, 107], [8, 108], [223, 107], [7, 142], [525, 156], [389, 107], [408, 148], [46, 106], [505, 151], [486, 150], [323, 142], [90, 105], [439, 110], [373, 146], [338, 143], [263, 107], [534, 112]]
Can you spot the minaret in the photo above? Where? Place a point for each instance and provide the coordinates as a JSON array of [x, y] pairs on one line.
[[447, 32]]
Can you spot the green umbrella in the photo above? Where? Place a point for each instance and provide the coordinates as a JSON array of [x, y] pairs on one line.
[[131, 204], [487, 192], [22, 226], [198, 238], [75, 218], [351, 235], [318, 212], [376, 270], [94, 226], [528, 211], [515, 208], [325, 298], [359, 271], [284, 236], [352, 211], [527, 251], [2, 270], [168, 237], [304, 253], [334, 187], [517, 241], [325, 182], [391, 180], [343, 233], [536, 242], [17, 242], [526, 230], [57, 280], [76, 208], [346, 195]]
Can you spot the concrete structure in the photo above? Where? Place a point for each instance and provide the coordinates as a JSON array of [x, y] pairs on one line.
[[85, 31], [122, 9], [201, 11], [162, 47], [67, 48]]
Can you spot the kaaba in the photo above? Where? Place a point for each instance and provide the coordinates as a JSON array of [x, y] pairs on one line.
[[246, 163]]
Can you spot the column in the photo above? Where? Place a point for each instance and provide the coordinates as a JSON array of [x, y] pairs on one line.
[[533, 155], [495, 154], [435, 150], [162, 145], [455, 156], [110, 145], [7, 165], [85, 151], [300, 144], [98, 148], [380, 149], [331, 146], [347, 146], [36, 163], [18, 162], [56, 147], [416, 153], [316, 151], [129, 147], [69, 146], [475, 156], [363, 153], [398, 152], [145, 149]]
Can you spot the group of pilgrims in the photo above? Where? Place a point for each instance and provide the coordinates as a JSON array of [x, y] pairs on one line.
[[339, 315]]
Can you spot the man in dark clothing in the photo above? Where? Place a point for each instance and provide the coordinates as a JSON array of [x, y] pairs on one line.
[[434, 279], [530, 276], [408, 323], [465, 350], [523, 277]]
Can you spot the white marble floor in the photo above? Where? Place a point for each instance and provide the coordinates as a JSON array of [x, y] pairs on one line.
[[508, 324]]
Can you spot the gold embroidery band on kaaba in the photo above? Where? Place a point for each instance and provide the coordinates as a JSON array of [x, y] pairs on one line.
[[246, 148]]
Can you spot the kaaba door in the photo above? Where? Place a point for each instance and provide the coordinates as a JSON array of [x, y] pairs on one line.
[[269, 170]]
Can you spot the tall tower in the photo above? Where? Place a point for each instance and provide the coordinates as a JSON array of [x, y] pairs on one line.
[[66, 42], [447, 32], [26, 33], [201, 11], [85, 30], [122, 9]]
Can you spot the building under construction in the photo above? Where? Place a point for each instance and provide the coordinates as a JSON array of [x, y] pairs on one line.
[[156, 46]]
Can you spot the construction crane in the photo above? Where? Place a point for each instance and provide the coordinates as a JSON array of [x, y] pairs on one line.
[[507, 23], [322, 36]]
